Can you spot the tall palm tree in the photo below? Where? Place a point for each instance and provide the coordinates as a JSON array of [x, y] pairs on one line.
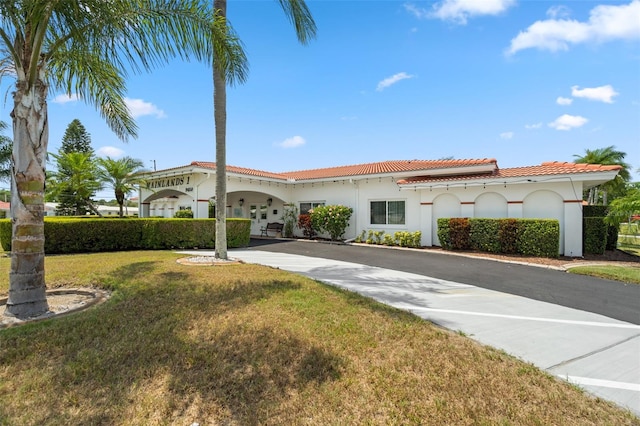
[[74, 184], [6, 147], [298, 13], [121, 176], [85, 47], [606, 156]]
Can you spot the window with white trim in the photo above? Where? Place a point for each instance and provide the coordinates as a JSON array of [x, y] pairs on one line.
[[389, 212], [309, 205]]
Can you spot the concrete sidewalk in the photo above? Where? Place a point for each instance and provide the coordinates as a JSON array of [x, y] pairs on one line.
[[597, 353]]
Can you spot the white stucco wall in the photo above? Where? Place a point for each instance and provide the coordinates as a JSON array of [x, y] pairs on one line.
[[552, 199]]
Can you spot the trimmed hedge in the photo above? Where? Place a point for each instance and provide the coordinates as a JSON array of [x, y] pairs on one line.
[[594, 232], [79, 235], [531, 237], [597, 235]]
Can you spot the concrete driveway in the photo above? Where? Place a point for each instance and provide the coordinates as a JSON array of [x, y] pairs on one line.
[[596, 351]]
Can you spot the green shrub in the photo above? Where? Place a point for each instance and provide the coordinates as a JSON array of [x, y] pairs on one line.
[[72, 235], [443, 233], [508, 235], [594, 211], [539, 237], [459, 233], [331, 219], [612, 237], [483, 234], [594, 231], [184, 214], [532, 237], [304, 223]]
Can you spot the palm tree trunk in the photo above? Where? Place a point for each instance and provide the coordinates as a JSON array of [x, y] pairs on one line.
[[220, 118], [27, 289]]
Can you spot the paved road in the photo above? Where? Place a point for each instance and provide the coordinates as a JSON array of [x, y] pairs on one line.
[[609, 298]]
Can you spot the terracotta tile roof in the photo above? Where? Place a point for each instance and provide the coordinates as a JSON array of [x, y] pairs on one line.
[[241, 170], [384, 167], [550, 168]]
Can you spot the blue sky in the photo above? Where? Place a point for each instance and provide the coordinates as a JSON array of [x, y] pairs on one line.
[[520, 81]]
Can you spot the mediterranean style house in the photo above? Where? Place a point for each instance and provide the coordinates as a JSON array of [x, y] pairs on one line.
[[408, 195]]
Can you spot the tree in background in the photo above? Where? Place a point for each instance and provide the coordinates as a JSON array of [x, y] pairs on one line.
[[84, 48], [121, 176], [607, 157], [76, 139], [62, 188], [299, 14], [74, 184]]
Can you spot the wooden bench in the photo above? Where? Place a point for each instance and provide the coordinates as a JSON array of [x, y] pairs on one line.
[[273, 226]]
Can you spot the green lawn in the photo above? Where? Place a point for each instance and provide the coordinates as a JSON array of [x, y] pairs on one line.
[[625, 274], [246, 344]]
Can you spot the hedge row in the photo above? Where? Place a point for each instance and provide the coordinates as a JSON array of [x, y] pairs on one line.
[[78, 235], [530, 237], [597, 235]]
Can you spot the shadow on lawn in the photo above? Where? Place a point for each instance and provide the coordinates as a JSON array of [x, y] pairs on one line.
[[158, 348]]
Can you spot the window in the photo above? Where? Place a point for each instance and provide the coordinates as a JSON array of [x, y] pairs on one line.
[[306, 206], [387, 212]]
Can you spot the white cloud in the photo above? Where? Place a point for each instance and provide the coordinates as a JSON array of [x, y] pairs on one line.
[[568, 122], [416, 11], [459, 11], [63, 99], [602, 93], [506, 135], [293, 142], [389, 81], [558, 12], [139, 108], [564, 101], [533, 126], [606, 22], [110, 151]]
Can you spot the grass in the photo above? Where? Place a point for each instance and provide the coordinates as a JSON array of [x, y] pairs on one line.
[[626, 274], [245, 344]]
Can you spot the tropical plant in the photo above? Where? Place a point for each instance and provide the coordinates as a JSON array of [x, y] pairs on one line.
[[606, 156], [121, 175], [289, 216], [6, 147], [300, 16], [623, 209], [331, 219], [85, 48], [74, 184]]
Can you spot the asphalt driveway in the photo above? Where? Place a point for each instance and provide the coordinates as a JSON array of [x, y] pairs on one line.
[[605, 297]]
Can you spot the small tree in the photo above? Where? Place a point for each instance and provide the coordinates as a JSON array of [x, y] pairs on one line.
[[121, 175], [74, 183], [331, 219], [289, 216]]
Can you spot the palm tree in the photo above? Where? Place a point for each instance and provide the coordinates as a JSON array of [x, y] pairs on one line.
[[298, 13], [74, 184], [6, 147], [121, 176], [606, 156], [85, 47]]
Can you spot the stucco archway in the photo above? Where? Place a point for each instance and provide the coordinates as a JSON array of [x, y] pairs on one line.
[[544, 204], [491, 205], [445, 205]]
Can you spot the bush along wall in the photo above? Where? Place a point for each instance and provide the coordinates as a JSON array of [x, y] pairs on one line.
[[531, 237], [80, 235], [597, 236], [399, 238]]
